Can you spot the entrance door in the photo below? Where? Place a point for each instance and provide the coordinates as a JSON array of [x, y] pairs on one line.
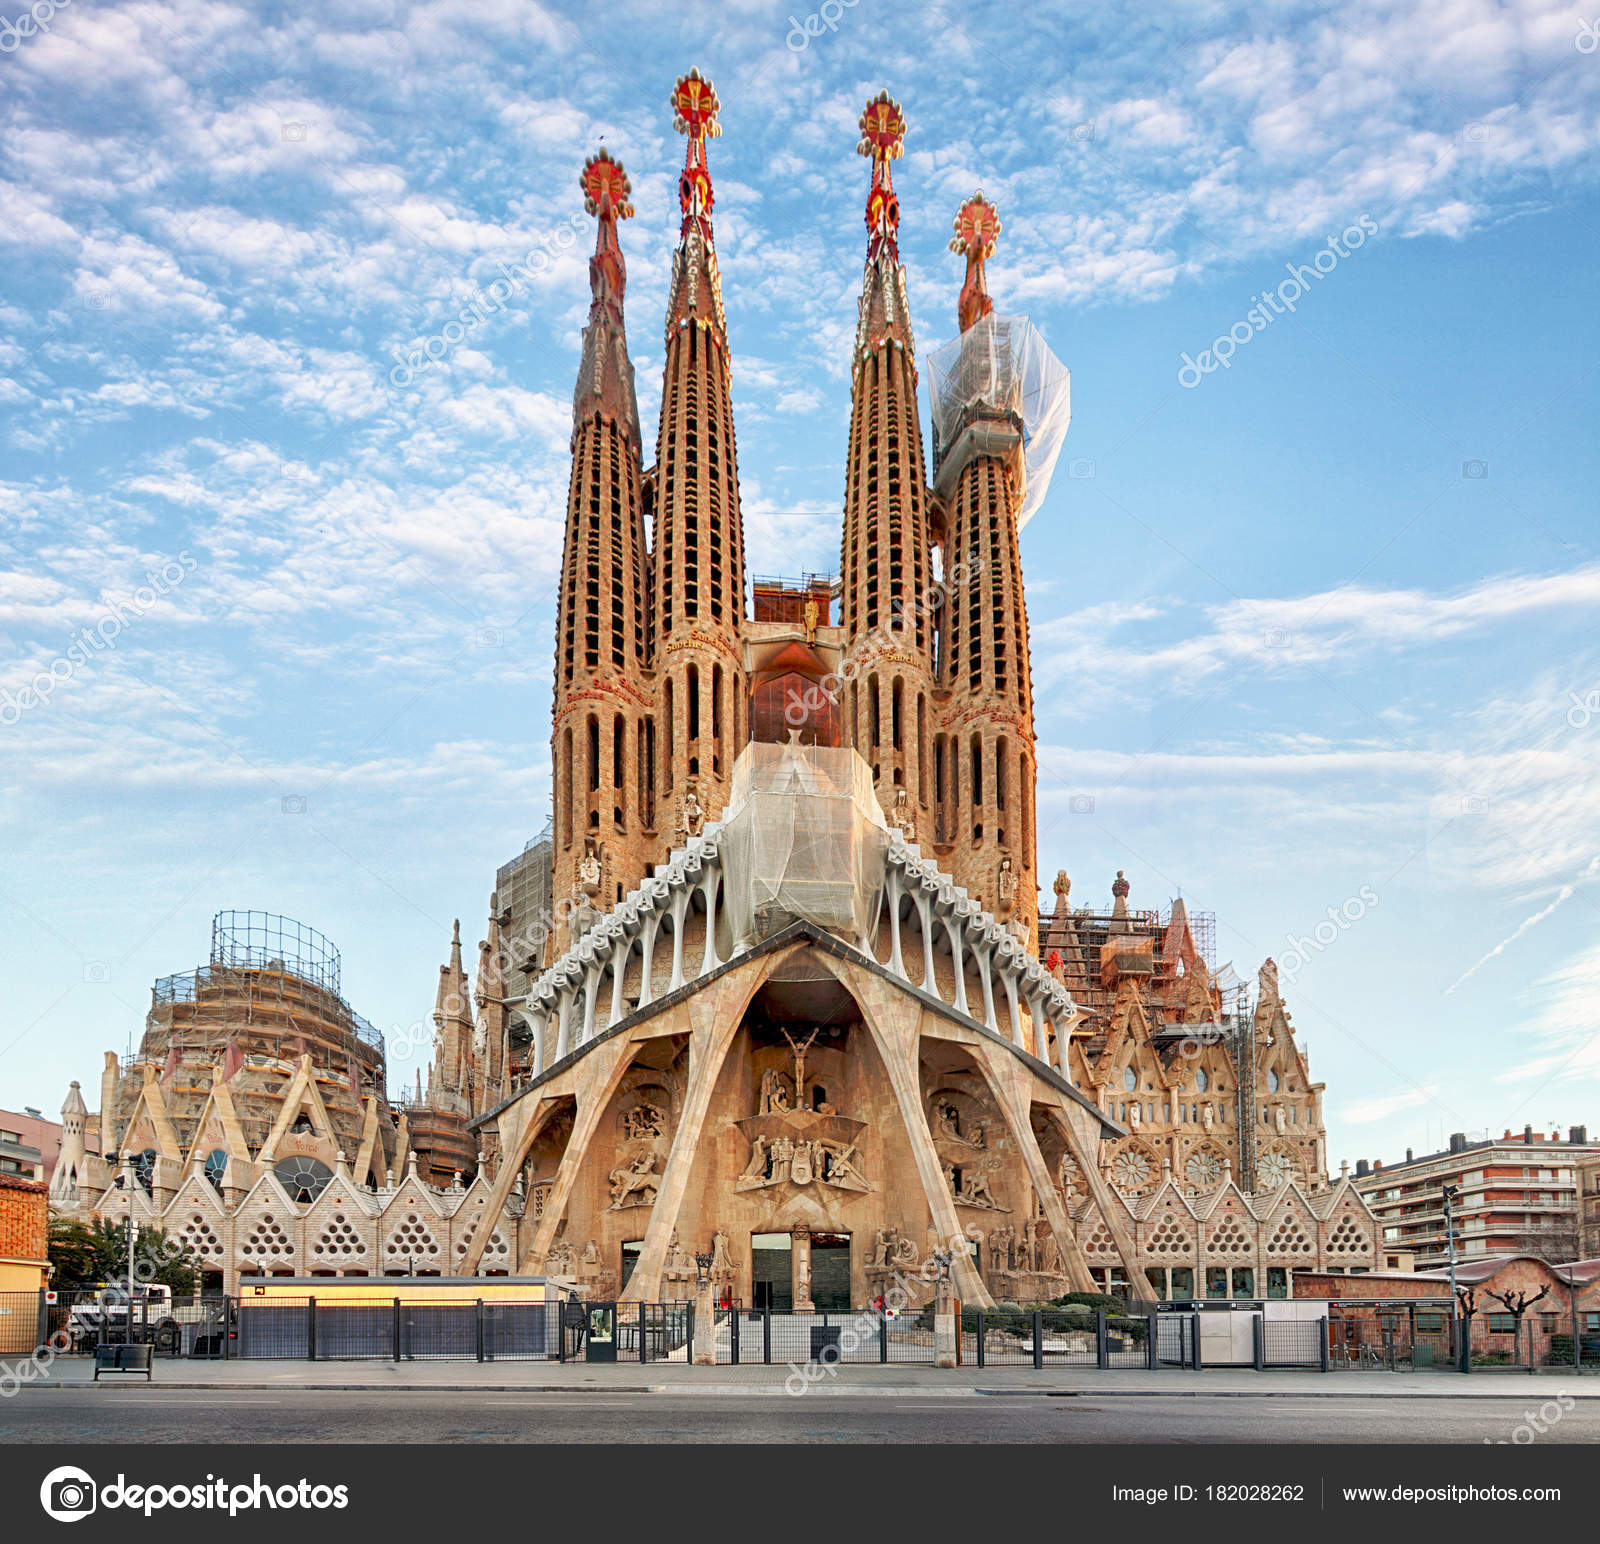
[[772, 1287], [830, 1272], [600, 1344]]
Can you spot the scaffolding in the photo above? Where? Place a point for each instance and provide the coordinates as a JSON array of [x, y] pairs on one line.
[[261, 940]]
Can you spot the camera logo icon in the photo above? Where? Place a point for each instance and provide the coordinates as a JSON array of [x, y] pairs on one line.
[[1474, 471], [68, 1494], [292, 804], [293, 134], [1081, 804]]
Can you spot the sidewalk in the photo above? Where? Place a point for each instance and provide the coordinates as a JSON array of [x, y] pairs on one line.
[[894, 1380]]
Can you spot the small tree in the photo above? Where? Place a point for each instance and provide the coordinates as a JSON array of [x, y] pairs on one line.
[[1517, 1304], [1467, 1298], [94, 1253]]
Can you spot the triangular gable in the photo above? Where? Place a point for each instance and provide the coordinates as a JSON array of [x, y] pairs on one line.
[[302, 1095], [149, 1126]]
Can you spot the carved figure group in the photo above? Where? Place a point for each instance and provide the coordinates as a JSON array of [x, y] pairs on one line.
[[635, 1183], [892, 1252], [950, 1128], [973, 1190], [644, 1120]]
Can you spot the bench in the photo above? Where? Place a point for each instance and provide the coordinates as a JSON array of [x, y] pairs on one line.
[[131, 1359]]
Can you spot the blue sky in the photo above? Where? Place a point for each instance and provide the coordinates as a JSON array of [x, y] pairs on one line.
[[1320, 626]]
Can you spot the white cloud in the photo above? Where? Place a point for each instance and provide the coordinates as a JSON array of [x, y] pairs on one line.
[[1367, 1111]]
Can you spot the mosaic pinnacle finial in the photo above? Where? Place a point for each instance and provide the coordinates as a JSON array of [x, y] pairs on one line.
[[695, 107], [883, 139], [606, 187], [977, 227], [695, 110], [605, 195]]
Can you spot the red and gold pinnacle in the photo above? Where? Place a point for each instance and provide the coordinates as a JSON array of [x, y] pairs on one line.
[[977, 226], [883, 138]]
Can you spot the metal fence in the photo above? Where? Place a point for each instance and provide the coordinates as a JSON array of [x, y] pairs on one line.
[[390, 1329], [75, 1322], [1058, 1337], [867, 1335]]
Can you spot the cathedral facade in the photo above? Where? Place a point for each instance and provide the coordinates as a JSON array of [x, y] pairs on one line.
[[793, 1004]]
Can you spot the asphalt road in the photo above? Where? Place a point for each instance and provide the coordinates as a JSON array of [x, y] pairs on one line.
[[290, 1416]]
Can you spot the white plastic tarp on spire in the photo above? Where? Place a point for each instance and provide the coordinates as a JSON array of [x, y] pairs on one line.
[[1003, 362], [803, 838]]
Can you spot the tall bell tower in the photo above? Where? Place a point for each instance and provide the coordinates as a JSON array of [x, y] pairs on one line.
[[986, 745], [699, 537], [887, 609], [603, 727]]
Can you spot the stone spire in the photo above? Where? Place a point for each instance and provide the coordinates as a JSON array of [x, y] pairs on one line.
[[453, 1029], [603, 716], [887, 605], [699, 537], [70, 1161], [978, 482], [491, 1048]]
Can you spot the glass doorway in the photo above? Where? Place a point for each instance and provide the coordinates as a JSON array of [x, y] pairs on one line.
[[772, 1284], [830, 1272]]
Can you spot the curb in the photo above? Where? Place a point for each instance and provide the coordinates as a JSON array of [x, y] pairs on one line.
[[733, 1390]]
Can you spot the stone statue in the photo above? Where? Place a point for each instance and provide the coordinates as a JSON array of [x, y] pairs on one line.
[[1005, 887], [582, 917], [721, 1260], [1134, 1116], [975, 1191], [903, 816], [950, 1130], [757, 1166], [591, 1253], [589, 873], [997, 1249], [774, 1093], [1063, 890], [635, 1183], [677, 1255], [691, 818], [782, 1156], [1029, 1255], [812, 616], [1050, 1255], [841, 1163], [1279, 1119], [1207, 1118], [802, 1165]]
